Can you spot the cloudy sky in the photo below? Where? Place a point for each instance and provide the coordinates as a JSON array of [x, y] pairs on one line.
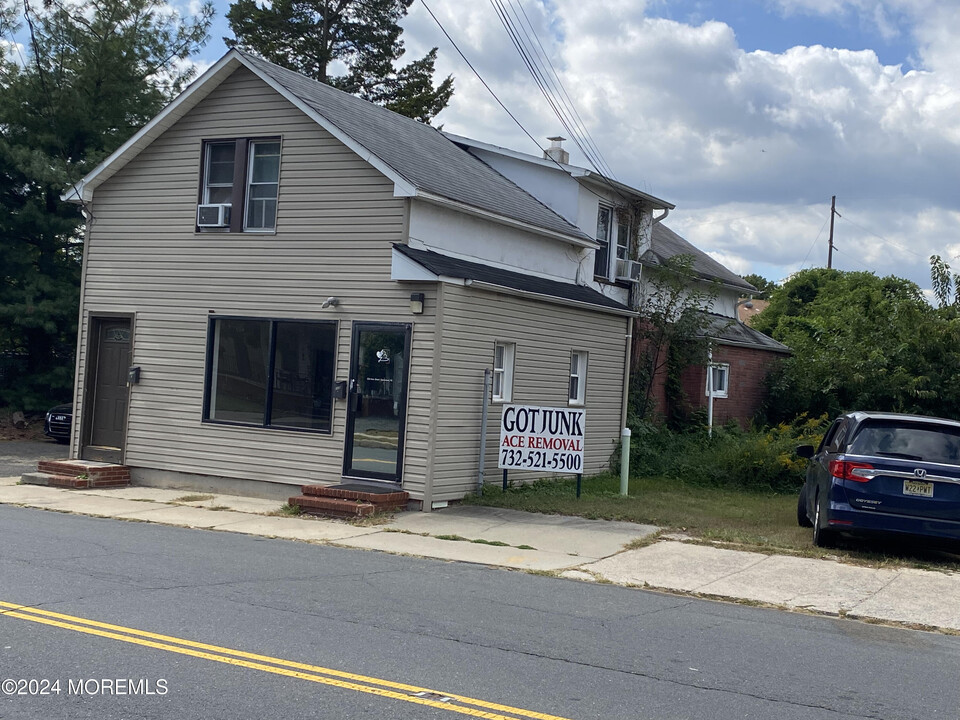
[[746, 114]]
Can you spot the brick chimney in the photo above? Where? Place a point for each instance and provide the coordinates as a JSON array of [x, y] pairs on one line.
[[556, 152]]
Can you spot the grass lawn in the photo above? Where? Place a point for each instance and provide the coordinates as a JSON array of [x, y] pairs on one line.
[[748, 519]]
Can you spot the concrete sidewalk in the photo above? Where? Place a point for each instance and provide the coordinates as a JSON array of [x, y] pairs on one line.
[[574, 548]]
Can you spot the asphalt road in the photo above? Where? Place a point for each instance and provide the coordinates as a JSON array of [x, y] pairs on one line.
[[512, 644], [20, 456]]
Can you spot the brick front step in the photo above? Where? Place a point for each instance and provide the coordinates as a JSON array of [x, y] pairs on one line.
[[333, 507], [83, 474], [382, 500]]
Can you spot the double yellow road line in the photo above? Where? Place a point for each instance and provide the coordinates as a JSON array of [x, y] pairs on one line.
[[325, 676]]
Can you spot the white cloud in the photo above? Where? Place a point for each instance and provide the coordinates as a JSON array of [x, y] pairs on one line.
[[14, 52], [749, 145]]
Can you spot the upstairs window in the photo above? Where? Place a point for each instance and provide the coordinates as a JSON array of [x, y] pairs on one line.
[[577, 392], [264, 181], [218, 173], [240, 185], [601, 262]]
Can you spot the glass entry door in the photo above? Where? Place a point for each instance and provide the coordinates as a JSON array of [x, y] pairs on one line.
[[377, 401]]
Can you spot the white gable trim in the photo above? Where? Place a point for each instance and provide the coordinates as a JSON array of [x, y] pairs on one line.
[[183, 103]]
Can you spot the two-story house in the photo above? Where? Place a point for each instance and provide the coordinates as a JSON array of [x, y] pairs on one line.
[[285, 284]]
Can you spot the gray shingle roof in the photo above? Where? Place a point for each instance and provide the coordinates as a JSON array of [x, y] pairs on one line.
[[418, 152], [732, 331], [453, 267], [666, 244]]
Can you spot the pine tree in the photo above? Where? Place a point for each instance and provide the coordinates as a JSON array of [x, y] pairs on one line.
[[309, 36], [91, 74]]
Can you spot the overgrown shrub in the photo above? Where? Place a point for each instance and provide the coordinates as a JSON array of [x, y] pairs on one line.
[[754, 459]]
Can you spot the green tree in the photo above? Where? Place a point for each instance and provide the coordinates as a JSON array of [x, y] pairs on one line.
[[92, 73], [765, 287], [309, 36], [669, 335], [860, 342], [944, 282]]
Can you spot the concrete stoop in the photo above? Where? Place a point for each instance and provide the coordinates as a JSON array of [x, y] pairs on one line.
[[348, 501], [78, 474]]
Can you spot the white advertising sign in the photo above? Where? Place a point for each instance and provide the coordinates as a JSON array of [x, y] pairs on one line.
[[544, 439]]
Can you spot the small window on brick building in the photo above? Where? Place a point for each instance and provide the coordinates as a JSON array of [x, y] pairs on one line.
[[718, 380]]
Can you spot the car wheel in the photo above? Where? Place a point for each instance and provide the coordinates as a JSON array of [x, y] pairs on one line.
[[822, 536], [802, 519]]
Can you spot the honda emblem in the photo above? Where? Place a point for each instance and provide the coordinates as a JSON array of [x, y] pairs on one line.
[[920, 473]]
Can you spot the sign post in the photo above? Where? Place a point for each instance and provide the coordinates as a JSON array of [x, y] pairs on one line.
[[542, 439]]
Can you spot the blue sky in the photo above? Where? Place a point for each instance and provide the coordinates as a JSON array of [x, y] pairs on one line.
[[769, 26]]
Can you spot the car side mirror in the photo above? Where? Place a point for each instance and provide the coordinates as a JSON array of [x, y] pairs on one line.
[[805, 451]]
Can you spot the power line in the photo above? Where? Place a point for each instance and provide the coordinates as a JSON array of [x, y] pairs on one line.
[[569, 102], [814, 244], [886, 240], [540, 76], [501, 104], [856, 260], [482, 81]]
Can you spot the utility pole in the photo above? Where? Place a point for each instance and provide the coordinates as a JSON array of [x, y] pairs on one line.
[[833, 211]]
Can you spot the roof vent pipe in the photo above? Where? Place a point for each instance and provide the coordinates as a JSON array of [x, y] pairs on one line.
[[556, 152]]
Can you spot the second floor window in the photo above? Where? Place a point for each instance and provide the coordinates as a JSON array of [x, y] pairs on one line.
[[263, 181], [244, 176], [601, 262]]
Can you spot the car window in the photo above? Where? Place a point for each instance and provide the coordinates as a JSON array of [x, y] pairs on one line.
[[840, 437], [828, 438], [910, 441]]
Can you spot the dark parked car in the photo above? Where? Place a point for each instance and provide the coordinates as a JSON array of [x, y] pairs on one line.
[[883, 473], [58, 422]]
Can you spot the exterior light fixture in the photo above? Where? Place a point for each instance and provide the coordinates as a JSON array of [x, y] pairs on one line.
[[416, 303], [330, 302]]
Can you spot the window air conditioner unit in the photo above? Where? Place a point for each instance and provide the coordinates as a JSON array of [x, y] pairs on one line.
[[628, 270], [213, 216]]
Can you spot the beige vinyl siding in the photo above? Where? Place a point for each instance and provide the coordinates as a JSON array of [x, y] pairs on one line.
[[336, 221], [544, 335]]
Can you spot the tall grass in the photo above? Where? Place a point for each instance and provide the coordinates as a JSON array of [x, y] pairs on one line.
[[749, 459]]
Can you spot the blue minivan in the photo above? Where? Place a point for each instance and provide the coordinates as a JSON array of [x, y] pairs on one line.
[[883, 473]]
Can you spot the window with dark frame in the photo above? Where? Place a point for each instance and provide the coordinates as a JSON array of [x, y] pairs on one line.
[[271, 373], [244, 175], [601, 261], [623, 247]]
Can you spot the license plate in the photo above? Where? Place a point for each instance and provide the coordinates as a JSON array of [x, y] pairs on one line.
[[916, 487]]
